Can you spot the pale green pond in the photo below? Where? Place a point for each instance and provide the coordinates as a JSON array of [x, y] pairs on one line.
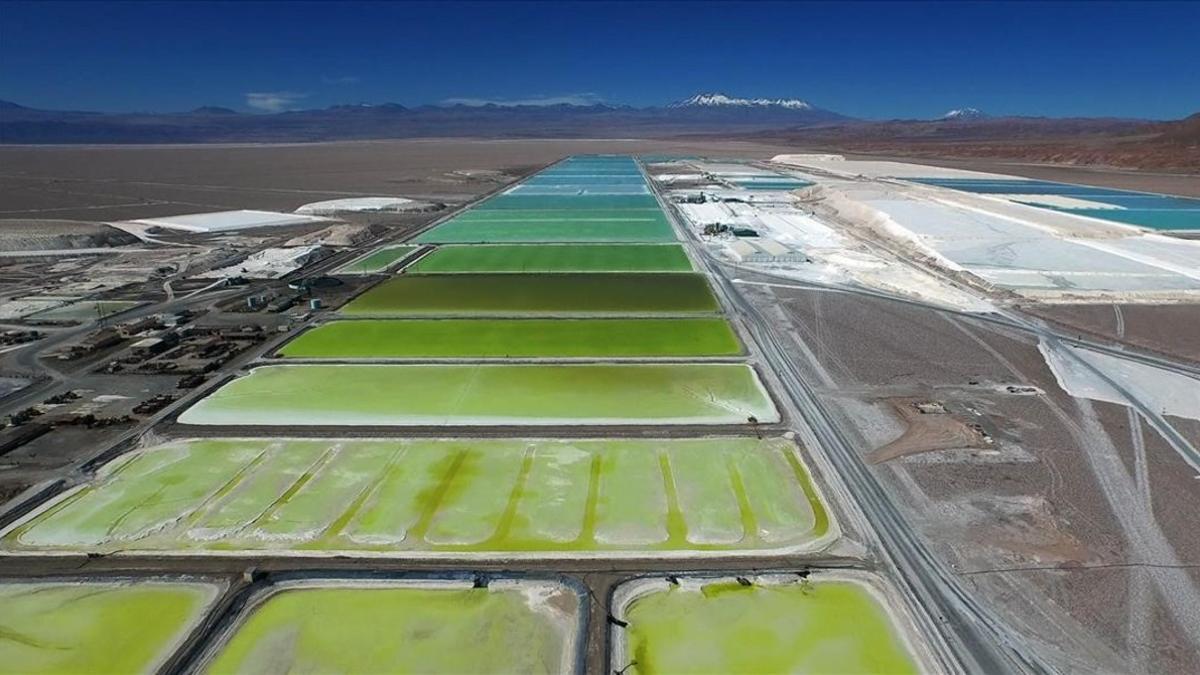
[[378, 260], [398, 627], [534, 258], [492, 394], [721, 626], [96, 627], [414, 496], [514, 338]]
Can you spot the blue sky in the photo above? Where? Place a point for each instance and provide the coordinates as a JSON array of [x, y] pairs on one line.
[[872, 60]]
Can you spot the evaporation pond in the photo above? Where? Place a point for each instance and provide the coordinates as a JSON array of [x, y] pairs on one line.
[[531, 294], [376, 261], [560, 225], [438, 497], [555, 258], [491, 394], [514, 338], [97, 627], [514, 201], [404, 626], [773, 625]]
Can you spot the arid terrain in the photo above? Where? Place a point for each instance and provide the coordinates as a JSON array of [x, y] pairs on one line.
[[104, 184], [1113, 144], [1026, 512]]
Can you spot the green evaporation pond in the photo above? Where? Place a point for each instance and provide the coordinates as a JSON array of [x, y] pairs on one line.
[[488, 395], [514, 338], [411, 497], [381, 629], [376, 261], [557, 258], [640, 228], [611, 216], [532, 294], [724, 627], [96, 627]]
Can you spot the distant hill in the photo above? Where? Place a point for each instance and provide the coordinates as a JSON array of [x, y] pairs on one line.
[[1130, 143], [702, 113], [214, 110], [964, 132], [1185, 131]]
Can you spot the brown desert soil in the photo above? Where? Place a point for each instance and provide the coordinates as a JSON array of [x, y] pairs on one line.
[[1170, 330], [926, 432]]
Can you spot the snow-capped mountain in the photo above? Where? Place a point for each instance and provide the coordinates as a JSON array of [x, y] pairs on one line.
[[705, 113], [717, 100], [965, 114]]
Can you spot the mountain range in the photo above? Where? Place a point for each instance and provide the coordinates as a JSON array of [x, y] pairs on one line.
[[960, 132], [716, 100], [1172, 146], [704, 112]]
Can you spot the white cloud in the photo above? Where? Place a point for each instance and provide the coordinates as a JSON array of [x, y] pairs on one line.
[[341, 79], [273, 101], [585, 98]]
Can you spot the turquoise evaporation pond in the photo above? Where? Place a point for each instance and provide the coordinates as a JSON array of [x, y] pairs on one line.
[[585, 179], [580, 168], [613, 169], [589, 184], [1143, 209], [578, 190], [1150, 202], [581, 199], [1029, 187], [1163, 220], [643, 213], [583, 203], [589, 173], [584, 173]]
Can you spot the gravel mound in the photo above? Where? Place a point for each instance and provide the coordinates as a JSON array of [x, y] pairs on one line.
[[50, 235]]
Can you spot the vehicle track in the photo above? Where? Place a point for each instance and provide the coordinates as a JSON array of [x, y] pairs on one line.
[[973, 638]]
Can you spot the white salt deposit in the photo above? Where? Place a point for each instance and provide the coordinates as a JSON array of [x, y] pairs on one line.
[[270, 263], [848, 168], [360, 204], [226, 220], [1168, 392]]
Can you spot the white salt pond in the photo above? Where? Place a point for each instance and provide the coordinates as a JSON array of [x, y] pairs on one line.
[[221, 221]]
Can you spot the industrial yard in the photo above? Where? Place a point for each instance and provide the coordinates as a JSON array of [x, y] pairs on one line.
[[595, 406]]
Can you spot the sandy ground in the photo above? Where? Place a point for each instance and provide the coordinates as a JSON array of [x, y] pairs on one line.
[[128, 182], [928, 430], [24, 235], [1171, 330], [1074, 522], [106, 183], [1077, 523]]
